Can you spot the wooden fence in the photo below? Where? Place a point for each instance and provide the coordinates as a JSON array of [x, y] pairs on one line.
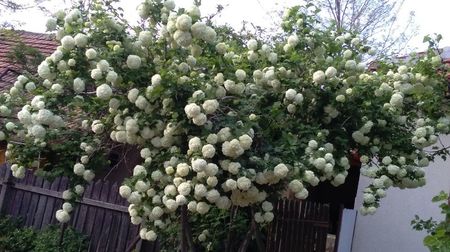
[[102, 215], [298, 226]]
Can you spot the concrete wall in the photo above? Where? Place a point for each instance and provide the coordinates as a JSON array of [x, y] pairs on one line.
[[389, 229]]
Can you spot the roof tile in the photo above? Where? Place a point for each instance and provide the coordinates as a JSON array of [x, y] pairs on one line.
[[44, 43]]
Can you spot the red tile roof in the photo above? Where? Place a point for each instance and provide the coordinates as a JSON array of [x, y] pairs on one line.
[[9, 70]]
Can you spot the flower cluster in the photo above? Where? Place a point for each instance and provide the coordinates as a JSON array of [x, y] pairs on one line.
[[218, 125]]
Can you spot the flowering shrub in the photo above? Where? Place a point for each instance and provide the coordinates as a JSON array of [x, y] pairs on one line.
[[218, 123]]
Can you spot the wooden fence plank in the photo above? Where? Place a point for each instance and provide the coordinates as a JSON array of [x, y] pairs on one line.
[[298, 226], [58, 202], [100, 214], [123, 233], [49, 205], [37, 222], [4, 191], [109, 215], [83, 210], [37, 183]]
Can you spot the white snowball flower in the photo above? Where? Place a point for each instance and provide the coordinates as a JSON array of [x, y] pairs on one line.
[[96, 74], [223, 203], [184, 188], [57, 88], [145, 37], [295, 186], [339, 179], [62, 216], [67, 195], [194, 11], [202, 207], [141, 186], [303, 194], [368, 198], [319, 77], [91, 54], [252, 44], [111, 76], [245, 141], [156, 80], [290, 94], [141, 102], [97, 127], [200, 119], [151, 235], [44, 70], [231, 184], [208, 151], [273, 57], [78, 85], [268, 217], [171, 205], [104, 92], [133, 61], [195, 144], [221, 48], [396, 100], [103, 65], [232, 148], [212, 195], [347, 54], [182, 38], [184, 22], [259, 217], [267, 206], [210, 106], [68, 42], [330, 72], [199, 165], [183, 169], [30, 86], [293, 40], [38, 131], [192, 110], [79, 189], [350, 65], [198, 30], [212, 181], [240, 75], [139, 170], [281, 170], [125, 191], [67, 207], [88, 175], [244, 183], [169, 4], [81, 40], [51, 24], [78, 169], [71, 62]]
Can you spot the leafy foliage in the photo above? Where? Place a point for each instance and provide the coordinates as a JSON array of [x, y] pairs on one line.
[[438, 238], [15, 238]]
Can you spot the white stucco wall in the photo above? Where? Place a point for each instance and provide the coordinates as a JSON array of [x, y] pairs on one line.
[[389, 229]]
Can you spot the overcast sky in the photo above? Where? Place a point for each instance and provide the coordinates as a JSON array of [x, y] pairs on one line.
[[432, 16]]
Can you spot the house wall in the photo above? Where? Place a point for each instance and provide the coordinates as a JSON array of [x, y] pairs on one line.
[[389, 229]]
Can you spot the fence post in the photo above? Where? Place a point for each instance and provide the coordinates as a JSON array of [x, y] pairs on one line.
[[6, 184]]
